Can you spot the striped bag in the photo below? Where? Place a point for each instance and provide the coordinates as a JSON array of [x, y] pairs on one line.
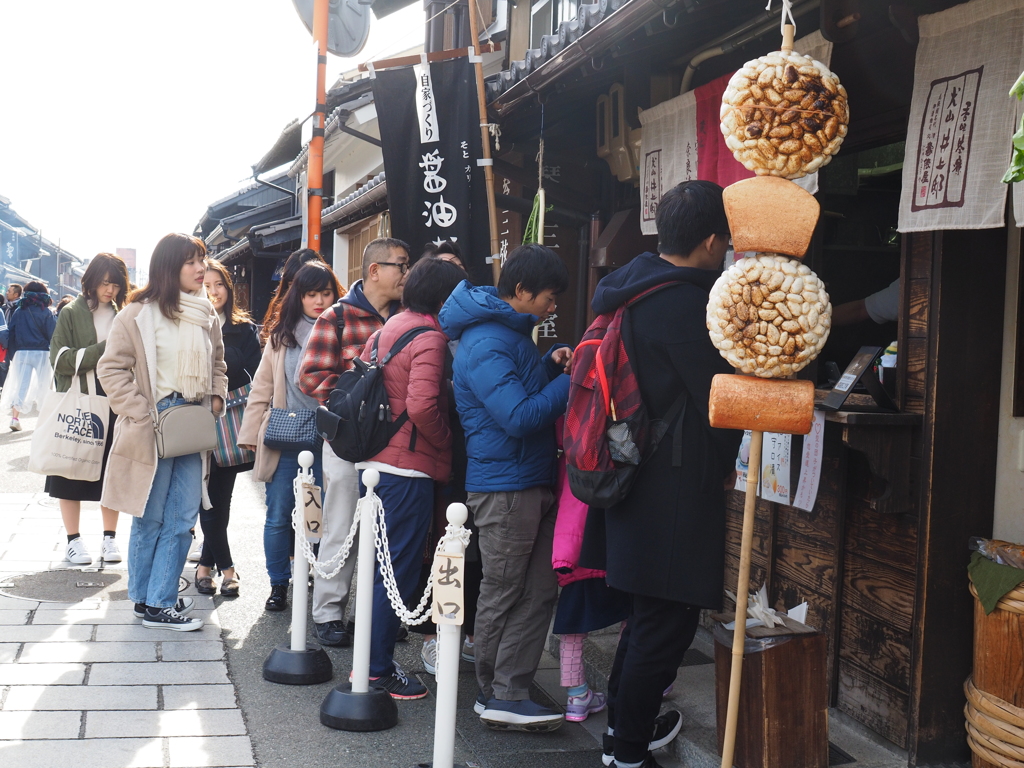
[[228, 453]]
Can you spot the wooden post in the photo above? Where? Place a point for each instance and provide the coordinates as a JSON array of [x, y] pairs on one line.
[[315, 171], [485, 140], [739, 632]]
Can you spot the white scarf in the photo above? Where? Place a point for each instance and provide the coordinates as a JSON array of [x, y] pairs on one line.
[[195, 350]]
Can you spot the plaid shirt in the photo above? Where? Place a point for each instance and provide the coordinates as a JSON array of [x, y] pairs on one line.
[[326, 356]]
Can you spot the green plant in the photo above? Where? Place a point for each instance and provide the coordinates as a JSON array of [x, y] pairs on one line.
[[1016, 170]]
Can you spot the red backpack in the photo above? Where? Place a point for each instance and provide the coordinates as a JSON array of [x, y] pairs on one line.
[[608, 432]]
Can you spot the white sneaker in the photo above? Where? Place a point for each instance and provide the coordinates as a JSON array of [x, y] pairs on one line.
[[468, 651], [77, 553], [169, 618], [110, 553], [15, 425], [196, 553], [429, 656]]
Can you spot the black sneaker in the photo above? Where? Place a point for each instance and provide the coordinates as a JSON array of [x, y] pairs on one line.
[[525, 715], [403, 633], [332, 633], [666, 728], [168, 618], [400, 685], [184, 606], [278, 599]]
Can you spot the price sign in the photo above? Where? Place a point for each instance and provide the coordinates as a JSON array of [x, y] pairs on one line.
[[449, 578], [312, 511]]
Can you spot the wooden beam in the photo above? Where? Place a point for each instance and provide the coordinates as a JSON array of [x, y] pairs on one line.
[[405, 61]]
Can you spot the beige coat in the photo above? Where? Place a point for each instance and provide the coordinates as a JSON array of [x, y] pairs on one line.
[[269, 390], [127, 372]]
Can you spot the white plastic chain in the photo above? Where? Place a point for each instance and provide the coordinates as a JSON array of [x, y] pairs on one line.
[[380, 531], [341, 557]]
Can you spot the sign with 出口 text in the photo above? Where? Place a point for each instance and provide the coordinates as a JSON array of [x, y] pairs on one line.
[[448, 601]]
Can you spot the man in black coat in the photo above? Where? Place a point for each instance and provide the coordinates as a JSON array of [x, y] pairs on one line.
[[665, 543]]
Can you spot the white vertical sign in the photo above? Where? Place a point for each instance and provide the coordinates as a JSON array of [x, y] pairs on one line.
[[810, 464], [426, 108], [775, 465]]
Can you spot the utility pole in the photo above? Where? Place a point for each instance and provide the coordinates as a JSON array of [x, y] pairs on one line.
[[485, 137], [315, 170]]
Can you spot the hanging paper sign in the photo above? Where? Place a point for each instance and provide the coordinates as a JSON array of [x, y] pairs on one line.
[[743, 462], [448, 600], [436, 190], [775, 467], [810, 465], [312, 511], [426, 108]]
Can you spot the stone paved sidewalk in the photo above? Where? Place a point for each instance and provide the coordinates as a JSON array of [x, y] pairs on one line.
[[85, 684]]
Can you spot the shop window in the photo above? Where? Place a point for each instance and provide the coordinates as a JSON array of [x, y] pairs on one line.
[[328, 188], [858, 247], [358, 238]]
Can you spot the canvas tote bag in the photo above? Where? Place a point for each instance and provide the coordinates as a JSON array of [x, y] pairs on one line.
[[72, 430]]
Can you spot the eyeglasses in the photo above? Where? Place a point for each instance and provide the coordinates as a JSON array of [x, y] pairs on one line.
[[403, 266]]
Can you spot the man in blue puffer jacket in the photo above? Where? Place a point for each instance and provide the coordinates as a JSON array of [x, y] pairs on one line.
[[509, 397]]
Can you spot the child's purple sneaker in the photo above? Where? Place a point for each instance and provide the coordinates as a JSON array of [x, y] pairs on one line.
[[580, 707]]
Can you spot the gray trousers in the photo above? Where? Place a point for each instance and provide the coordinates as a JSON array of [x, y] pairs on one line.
[[519, 588], [330, 596]]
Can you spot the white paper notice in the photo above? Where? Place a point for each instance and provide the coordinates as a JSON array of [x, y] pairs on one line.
[[810, 465], [775, 467], [742, 462]]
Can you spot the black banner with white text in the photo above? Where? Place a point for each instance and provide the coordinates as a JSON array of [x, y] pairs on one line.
[[430, 135]]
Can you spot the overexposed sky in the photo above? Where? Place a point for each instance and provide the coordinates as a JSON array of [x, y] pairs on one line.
[[121, 120]]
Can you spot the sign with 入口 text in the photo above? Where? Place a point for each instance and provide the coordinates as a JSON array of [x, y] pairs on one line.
[[312, 511]]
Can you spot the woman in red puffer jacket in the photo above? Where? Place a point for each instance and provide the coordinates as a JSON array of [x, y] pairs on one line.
[[417, 455]]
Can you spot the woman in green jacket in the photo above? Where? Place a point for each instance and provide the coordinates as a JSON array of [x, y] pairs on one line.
[[84, 324]]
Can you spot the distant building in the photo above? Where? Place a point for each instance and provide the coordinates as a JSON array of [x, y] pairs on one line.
[[128, 256], [26, 255]]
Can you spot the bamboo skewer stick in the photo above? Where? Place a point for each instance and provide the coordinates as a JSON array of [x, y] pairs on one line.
[[739, 632], [485, 137]]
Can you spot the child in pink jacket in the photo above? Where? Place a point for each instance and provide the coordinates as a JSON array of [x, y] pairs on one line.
[[586, 602]]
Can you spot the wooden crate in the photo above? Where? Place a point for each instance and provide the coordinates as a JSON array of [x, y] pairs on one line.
[[783, 718]]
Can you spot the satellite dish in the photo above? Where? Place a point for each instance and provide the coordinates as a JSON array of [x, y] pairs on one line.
[[348, 24]]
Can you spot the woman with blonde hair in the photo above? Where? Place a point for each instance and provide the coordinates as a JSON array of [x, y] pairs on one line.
[[164, 349], [85, 325]]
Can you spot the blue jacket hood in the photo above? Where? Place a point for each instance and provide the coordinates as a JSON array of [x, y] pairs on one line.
[[646, 271], [471, 305]]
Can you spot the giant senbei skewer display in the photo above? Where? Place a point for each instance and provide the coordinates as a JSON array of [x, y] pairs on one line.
[[784, 115]]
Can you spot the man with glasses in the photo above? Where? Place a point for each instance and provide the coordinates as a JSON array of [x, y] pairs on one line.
[[338, 337]]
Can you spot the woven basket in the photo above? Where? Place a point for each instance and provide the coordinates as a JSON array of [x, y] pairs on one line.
[[995, 728]]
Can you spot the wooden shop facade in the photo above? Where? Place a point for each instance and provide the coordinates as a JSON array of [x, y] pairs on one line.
[[881, 559]]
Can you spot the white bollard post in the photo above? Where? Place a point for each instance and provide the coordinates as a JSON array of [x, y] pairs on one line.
[[449, 649], [296, 663], [300, 573], [357, 706], [366, 567]]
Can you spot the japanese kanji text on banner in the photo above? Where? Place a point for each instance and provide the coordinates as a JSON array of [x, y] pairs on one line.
[[430, 135]]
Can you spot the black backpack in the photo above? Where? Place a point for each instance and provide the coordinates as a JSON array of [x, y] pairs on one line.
[[357, 420]]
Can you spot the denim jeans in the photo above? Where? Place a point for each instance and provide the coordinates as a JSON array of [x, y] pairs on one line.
[[277, 531], [160, 539]]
